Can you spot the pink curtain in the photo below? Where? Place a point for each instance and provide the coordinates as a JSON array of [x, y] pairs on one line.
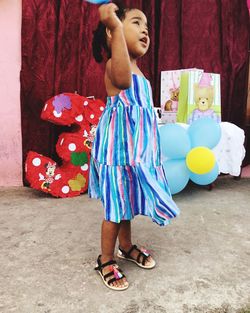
[[57, 56]]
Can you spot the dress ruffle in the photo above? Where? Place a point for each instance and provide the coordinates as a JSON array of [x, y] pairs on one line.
[[127, 191]]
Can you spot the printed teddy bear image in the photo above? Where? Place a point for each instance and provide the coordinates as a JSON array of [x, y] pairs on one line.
[[172, 103], [204, 97]]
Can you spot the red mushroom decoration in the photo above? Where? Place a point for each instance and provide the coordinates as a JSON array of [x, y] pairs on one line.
[[74, 148]]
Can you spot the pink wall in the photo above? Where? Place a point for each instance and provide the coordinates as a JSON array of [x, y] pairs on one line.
[[10, 65]]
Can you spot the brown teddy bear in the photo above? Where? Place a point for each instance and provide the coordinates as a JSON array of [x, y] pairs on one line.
[[172, 103]]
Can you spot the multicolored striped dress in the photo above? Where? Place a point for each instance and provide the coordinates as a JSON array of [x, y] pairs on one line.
[[125, 167]]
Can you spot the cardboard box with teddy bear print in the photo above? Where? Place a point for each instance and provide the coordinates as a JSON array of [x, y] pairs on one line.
[[199, 96]]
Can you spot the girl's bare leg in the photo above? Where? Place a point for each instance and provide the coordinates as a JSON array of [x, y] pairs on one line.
[[109, 235], [125, 241], [124, 235]]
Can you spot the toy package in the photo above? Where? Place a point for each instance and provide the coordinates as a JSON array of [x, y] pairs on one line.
[[200, 96]]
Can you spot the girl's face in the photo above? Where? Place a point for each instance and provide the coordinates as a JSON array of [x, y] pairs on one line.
[[136, 33]]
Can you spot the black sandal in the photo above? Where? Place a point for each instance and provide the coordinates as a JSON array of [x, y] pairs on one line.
[[116, 272], [142, 255]]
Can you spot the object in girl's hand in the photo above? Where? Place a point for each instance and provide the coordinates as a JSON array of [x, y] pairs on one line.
[[98, 1]]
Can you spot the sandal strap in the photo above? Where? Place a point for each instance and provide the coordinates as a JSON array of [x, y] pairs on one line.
[[144, 258], [111, 262], [108, 275], [141, 254], [111, 273], [128, 254], [134, 247], [115, 279], [101, 265]]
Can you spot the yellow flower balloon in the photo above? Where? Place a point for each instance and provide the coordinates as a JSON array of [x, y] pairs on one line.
[[200, 160]]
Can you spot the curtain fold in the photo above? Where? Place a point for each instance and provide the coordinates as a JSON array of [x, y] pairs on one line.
[[57, 57]]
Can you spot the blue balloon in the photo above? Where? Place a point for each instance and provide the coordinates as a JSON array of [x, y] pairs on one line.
[[204, 132], [177, 174], [175, 142], [205, 179], [98, 1]]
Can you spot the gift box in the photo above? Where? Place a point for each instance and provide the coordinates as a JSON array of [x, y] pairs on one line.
[[170, 88], [199, 96]]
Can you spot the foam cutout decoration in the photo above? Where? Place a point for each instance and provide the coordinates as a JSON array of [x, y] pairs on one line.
[[74, 148]]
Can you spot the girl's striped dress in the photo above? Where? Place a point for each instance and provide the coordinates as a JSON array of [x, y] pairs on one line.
[[125, 167]]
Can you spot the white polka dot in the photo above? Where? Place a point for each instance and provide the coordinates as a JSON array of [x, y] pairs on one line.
[[92, 116], [58, 176], [65, 189], [61, 141], [101, 108], [79, 118], [36, 162], [85, 103], [72, 147], [45, 107], [57, 114], [84, 167]]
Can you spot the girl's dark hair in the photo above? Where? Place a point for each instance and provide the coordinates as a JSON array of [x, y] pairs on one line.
[[99, 42]]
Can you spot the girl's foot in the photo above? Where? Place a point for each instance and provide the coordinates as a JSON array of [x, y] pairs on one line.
[[139, 256], [111, 274]]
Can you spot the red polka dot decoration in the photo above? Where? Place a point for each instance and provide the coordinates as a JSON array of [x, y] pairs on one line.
[[70, 179]]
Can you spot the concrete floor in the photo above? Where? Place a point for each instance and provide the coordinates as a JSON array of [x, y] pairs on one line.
[[49, 247]]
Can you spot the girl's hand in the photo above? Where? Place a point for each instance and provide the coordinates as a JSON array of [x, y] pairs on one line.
[[108, 16]]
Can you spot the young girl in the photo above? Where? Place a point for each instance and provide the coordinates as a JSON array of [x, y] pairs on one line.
[[126, 171]]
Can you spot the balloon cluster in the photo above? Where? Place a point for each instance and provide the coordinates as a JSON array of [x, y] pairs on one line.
[[187, 153]]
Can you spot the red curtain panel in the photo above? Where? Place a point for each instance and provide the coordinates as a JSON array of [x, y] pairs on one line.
[[57, 57]]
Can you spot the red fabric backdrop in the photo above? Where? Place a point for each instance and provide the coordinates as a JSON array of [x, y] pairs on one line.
[[57, 56]]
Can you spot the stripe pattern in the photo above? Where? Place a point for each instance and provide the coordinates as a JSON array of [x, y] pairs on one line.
[[125, 168]]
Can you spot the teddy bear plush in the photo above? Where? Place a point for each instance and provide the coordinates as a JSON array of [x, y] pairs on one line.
[[204, 97], [172, 103]]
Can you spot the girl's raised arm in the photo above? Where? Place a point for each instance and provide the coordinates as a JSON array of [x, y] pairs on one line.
[[119, 67]]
